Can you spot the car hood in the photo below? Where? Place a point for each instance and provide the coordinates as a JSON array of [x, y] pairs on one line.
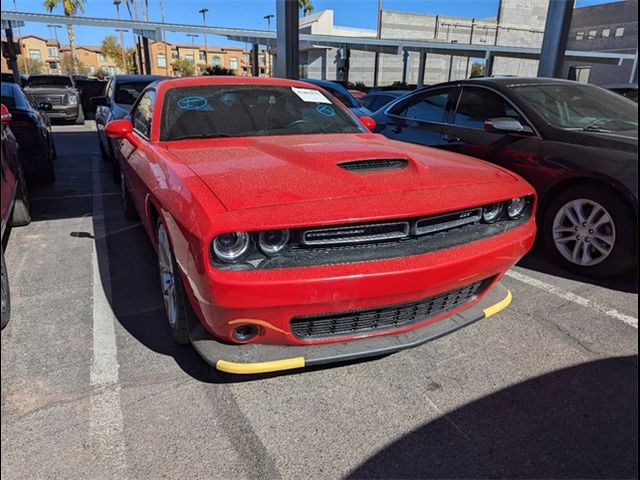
[[254, 172]]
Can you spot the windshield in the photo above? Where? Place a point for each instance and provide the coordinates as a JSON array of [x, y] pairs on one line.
[[128, 92], [250, 110], [49, 81], [575, 106]]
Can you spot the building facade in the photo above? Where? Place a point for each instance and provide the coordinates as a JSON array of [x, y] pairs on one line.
[[518, 23], [37, 55], [611, 27]]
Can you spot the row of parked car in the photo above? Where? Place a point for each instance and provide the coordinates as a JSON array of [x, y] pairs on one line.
[[239, 181]]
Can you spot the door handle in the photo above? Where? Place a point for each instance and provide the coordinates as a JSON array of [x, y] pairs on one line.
[[396, 129], [451, 138]]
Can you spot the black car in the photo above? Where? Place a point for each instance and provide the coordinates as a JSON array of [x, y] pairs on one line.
[[32, 130], [627, 90], [374, 101], [7, 77], [61, 92], [14, 209], [577, 144], [119, 96]]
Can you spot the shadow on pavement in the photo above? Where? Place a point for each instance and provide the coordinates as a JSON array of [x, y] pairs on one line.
[[538, 259], [579, 422]]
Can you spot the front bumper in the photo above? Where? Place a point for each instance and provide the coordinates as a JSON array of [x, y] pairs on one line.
[[64, 113], [261, 358]]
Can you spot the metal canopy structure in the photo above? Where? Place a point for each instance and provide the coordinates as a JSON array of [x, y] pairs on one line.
[[380, 45]]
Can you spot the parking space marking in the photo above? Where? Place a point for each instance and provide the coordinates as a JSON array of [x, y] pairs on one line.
[[81, 195], [106, 408], [572, 297]]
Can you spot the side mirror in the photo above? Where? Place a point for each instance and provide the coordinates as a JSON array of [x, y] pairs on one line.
[[4, 114], [505, 125], [119, 129], [369, 122], [99, 101], [45, 107]]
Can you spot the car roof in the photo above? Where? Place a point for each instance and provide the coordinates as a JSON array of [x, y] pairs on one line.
[[325, 84], [204, 80], [395, 93], [133, 78]]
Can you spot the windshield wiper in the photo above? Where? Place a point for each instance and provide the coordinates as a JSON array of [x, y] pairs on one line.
[[593, 128], [202, 135]]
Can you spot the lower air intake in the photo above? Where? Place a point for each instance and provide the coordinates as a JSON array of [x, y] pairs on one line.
[[384, 318]]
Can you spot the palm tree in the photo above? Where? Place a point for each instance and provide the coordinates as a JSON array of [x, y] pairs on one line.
[[70, 7], [306, 7]]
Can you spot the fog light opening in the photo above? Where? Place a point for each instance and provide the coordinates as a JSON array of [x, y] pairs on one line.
[[245, 333]]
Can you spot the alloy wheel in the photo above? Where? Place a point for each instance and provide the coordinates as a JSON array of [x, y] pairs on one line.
[[584, 232], [167, 277]]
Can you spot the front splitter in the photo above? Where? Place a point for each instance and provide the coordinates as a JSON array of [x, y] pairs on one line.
[[258, 358]]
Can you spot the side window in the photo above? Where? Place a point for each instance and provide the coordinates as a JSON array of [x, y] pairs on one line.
[[381, 101], [143, 114], [427, 107], [478, 104]]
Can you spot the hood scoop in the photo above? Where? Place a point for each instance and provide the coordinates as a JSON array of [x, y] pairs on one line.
[[374, 165]]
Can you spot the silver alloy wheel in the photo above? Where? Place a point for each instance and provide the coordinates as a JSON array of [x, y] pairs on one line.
[[167, 277], [584, 232]]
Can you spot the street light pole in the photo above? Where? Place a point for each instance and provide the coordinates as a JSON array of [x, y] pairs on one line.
[[193, 47], [124, 53], [204, 11], [268, 55], [124, 58]]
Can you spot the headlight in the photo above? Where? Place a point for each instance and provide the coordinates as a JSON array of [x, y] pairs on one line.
[[231, 247], [516, 207], [73, 99], [273, 242], [492, 213]]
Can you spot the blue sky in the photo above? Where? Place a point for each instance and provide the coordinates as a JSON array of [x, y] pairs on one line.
[[250, 13]]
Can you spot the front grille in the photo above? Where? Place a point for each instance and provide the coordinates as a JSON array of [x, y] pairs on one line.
[[374, 164], [356, 233], [384, 318], [52, 99]]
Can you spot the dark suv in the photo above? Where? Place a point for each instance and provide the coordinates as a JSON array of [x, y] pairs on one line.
[[61, 92]]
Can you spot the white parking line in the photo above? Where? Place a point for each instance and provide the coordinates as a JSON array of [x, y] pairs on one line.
[[106, 411], [572, 297]]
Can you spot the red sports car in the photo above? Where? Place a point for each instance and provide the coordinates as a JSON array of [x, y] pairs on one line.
[[289, 235]]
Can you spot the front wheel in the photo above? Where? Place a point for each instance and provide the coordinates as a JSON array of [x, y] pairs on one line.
[[591, 231], [21, 215], [173, 295]]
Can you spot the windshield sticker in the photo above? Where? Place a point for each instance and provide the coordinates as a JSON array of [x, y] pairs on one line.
[[326, 110], [310, 95], [193, 103]]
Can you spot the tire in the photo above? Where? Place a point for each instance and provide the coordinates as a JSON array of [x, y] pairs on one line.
[[128, 207], [20, 215], [80, 118], [103, 151], [6, 296], [173, 295], [591, 231]]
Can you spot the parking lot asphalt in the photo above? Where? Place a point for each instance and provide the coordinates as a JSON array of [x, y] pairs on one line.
[[94, 387]]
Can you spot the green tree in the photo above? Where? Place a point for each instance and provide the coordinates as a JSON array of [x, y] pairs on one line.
[[73, 68], [70, 8], [33, 66], [131, 60], [305, 6], [112, 49], [477, 70], [183, 67], [217, 70]]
